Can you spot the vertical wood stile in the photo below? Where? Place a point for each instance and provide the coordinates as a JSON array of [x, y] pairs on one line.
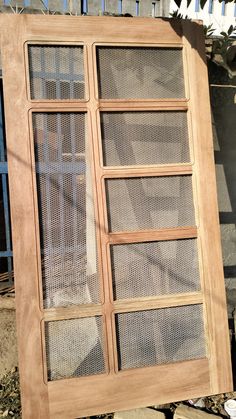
[[214, 290], [34, 394]]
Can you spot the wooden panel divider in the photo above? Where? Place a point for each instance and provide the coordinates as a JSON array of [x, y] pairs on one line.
[[152, 235], [72, 312], [142, 171], [123, 306], [146, 105], [161, 301]]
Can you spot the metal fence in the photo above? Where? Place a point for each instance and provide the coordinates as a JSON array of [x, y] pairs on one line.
[[6, 270], [152, 8]]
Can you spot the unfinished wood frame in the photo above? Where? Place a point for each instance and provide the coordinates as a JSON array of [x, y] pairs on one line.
[[115, 389]]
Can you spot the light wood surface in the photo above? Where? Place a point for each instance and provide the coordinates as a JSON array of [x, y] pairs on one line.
[[138, 387], [209, 233], [116, 390], [34, 394]]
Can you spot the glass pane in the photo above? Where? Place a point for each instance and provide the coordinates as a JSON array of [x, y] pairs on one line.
[[149, 203], [66, 213], [144, 138], [155, 268], [56, 72], [74, 348], [140, 73], [160, 336]]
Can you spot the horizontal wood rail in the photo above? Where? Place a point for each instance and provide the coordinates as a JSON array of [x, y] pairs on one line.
[[145, 171], [123, 306], [72, 312], [126, 237], [162, 301]]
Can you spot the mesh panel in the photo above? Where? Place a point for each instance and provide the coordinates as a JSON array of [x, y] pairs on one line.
[[56, 72], [149, 203], [140, 73], [160, 336], [66, 214], [131, 138], [74, 348], [155, 268]]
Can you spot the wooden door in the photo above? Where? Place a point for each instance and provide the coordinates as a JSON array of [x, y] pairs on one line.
[[119, 281]]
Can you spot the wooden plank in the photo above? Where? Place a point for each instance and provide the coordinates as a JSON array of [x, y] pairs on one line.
[[142, 104], [111, 394], [78, 29], [152, 235], [144, 171], [155, 302], [72, 312], [28, 314], [214, 288]]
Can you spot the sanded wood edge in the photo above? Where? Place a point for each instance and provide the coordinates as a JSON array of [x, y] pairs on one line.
[[122, 306], [28, 314], [152, 235], [209, 234], [104, 29], [153, 385], [72, 312], [178, 105], [145, 171], [150, 303]]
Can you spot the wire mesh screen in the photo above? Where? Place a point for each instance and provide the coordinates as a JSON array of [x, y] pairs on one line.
[[146, 338], [140, 73], [155, 268], [144, 138], [66, 213], [74, 348], [149, 203], [56, 72]]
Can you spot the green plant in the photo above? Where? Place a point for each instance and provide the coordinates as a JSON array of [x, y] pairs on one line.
[[208, 30], [177, 15], [221, 45]]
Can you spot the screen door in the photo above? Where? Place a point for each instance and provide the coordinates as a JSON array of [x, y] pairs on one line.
[[119, 284]]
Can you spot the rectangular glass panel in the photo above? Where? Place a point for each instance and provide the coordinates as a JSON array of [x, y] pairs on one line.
[[155, 268], [140, 73], [149, 203], [66, 212], [144, 138], [152, 337], [56, 72], [74, 348]]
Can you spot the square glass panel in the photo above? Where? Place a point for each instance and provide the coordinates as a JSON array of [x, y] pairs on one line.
[[56, 72], [151, 337], [74, 348]]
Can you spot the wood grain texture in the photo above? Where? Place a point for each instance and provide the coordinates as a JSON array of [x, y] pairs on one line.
[[85, 396], [34, 393], [152, 235], [163, 301], [129, 389], [214, 287]]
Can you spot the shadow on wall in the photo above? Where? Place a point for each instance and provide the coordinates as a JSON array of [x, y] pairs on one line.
[[223, 103]]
